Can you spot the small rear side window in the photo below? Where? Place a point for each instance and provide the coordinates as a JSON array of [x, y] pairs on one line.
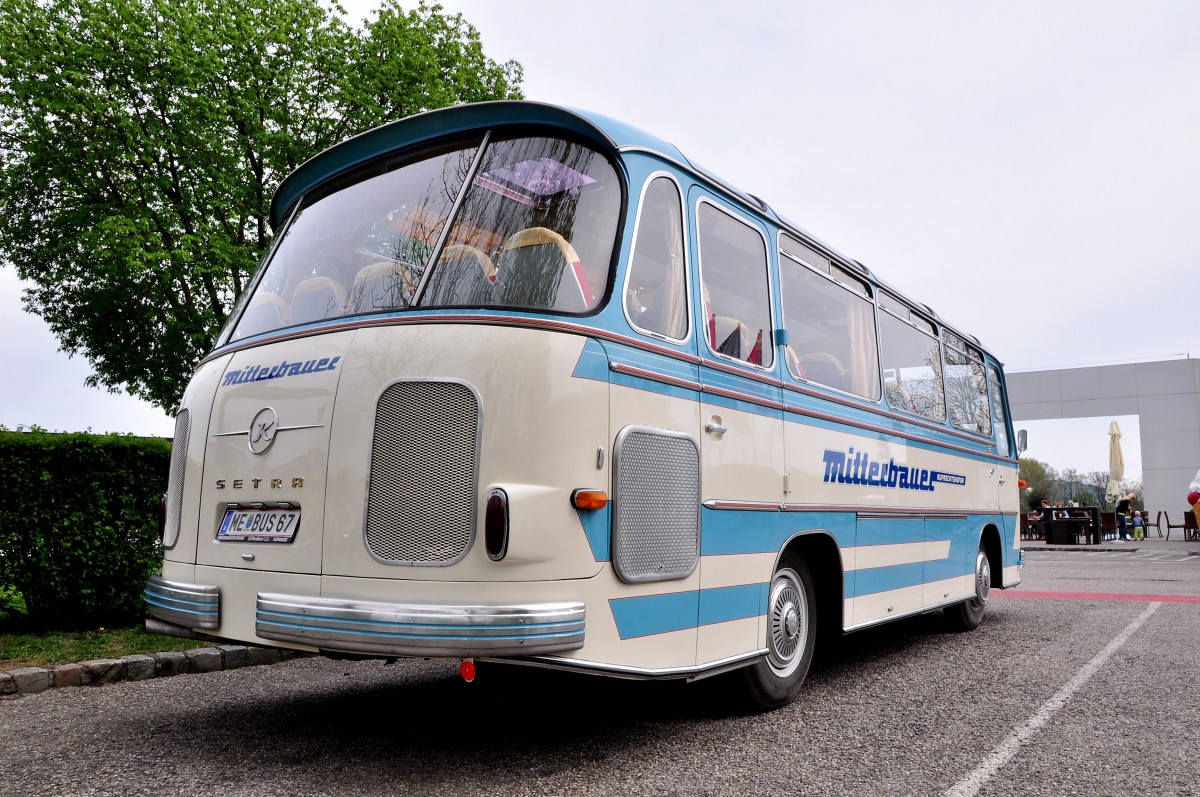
[[655, 293]]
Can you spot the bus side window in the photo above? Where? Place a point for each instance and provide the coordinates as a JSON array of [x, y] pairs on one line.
[[999, 420], [966, 389], [655, 295], [831, 328], [912, 368], [733, 277]]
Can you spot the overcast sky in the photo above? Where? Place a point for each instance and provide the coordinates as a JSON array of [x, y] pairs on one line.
[[1031, 170]]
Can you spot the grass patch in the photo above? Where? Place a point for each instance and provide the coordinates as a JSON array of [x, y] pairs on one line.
[[63, 647], [21, 647]]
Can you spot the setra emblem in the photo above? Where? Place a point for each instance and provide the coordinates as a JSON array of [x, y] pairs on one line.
[[262, 430]]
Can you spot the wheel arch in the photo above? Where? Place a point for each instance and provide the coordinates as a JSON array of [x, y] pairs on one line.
[[989, 543], [820, 551]]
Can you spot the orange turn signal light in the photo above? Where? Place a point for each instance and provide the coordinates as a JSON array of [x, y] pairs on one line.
[[589, 499], [1022, 483]]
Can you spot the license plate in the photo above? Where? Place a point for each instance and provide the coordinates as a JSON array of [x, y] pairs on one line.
[[259, 525]]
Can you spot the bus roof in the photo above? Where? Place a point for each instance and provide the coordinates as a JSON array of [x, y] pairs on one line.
[[613, 133], [457, 119]]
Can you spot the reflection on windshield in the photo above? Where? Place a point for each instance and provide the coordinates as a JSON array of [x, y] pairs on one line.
[[535, 229]]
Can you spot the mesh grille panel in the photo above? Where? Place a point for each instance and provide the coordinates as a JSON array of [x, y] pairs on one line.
[[656, 528], [179, 447], [421, 496]]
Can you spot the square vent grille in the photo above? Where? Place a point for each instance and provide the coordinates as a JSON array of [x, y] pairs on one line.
[[421, 494], [656, 520]]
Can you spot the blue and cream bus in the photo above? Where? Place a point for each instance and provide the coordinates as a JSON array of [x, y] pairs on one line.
[[524, 383]]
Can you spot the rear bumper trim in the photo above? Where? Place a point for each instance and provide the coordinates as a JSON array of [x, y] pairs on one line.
[[188, 605], [397, 629]]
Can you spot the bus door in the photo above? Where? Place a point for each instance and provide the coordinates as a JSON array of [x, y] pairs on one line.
[[741, 439], [943, 562], [654, 420], [890, 556]]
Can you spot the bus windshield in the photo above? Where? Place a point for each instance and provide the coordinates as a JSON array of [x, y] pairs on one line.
[[528, 224]]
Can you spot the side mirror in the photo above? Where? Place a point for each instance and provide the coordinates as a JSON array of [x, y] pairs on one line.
[[1022, 440]]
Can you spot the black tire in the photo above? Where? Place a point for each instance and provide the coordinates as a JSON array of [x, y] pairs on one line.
[[967, 616], [774, 680]]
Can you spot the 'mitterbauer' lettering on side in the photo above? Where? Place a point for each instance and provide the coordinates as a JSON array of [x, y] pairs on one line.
[[850, 467]]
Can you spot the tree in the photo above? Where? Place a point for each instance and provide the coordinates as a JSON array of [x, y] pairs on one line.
[[141, 140], [1096, 482], [1041, 482]]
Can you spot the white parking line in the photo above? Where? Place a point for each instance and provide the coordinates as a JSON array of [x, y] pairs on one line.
[[972, 783]]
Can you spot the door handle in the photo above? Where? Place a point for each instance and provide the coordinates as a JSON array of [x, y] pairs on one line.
[[715, 428]]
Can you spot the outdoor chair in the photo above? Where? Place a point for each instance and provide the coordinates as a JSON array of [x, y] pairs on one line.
[[1152, 524], [1167, 516], [1190, 530], [1108, 525], [1028, 528]]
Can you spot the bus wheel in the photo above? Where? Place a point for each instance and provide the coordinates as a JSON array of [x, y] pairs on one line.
[[967, 616], [774, 680]]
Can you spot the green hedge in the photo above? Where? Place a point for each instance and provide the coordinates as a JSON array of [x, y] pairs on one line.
[[79, 523]]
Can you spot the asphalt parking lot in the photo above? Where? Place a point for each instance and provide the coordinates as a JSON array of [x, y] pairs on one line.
[[1080, 682]]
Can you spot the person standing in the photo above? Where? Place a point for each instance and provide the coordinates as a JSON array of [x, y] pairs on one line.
[[1193, 496], [1139, 526], [1122, 512]]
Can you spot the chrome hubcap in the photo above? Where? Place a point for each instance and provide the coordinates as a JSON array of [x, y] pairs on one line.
[[983, 578], [787, 629], [791, 623]]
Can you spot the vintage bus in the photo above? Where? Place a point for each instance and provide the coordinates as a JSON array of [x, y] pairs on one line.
[[524, 383]]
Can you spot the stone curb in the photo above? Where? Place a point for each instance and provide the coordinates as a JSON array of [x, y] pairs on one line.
[[1107, 549], [138, 667]]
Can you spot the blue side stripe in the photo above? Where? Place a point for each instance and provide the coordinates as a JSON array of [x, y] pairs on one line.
[[596, 524], [593, 362], [655, 614], [596, 354], [723, 604], [675, 611], [724, 531], [882, 579]]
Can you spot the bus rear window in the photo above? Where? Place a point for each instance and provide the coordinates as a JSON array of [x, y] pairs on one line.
[[536, 231], [529, 224]]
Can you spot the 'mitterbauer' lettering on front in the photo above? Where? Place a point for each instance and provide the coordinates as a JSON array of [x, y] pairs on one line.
[[260, 373], [850, 467]]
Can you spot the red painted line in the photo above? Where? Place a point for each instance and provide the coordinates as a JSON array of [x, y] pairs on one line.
[[1099, 596]]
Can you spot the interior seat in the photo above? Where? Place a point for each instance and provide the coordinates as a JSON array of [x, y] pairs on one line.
[[463, 276], [539, 268], [382, 285], [316, 299], [822, 368], [266, 311]]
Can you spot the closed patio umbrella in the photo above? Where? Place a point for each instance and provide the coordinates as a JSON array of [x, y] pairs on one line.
[[1116, 464]]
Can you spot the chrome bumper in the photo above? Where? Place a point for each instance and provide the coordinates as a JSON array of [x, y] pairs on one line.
[[189, 605], [420, 629]]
